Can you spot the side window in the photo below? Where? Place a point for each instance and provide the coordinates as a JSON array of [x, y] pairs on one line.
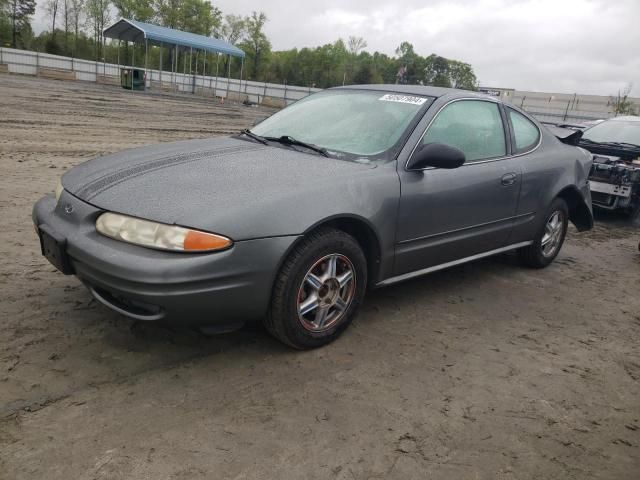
[[473, 126], [525, 133]]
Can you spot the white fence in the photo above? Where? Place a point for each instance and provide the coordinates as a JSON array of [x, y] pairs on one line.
[[34, 63]]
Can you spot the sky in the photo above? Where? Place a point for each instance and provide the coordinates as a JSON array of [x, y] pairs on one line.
[[570, 46]]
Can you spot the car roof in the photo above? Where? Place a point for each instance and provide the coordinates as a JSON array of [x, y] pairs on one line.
[[417, 90]]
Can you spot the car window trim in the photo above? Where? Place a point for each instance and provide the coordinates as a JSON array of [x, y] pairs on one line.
[[513, 132], [475, 162], [507, 129]]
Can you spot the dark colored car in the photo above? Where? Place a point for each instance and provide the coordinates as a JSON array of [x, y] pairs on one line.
[[291, 222], [615, 175]]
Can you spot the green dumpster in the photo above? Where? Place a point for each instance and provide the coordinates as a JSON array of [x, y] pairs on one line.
[[132, 78]]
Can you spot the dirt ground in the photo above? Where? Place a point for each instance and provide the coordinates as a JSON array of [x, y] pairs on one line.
[[484, 371]]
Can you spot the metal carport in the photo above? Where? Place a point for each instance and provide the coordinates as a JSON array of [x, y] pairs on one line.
[[149, 34]]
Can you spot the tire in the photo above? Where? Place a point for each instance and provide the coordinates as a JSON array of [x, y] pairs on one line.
[[306, 279], [539, 255]]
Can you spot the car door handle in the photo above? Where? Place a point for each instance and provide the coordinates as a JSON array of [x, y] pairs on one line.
[[509, 178]]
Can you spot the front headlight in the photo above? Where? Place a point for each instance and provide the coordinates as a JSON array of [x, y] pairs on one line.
[[59, 190], [159, 235]]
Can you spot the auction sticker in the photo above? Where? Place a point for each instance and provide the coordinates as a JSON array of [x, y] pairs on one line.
[[403, 99]]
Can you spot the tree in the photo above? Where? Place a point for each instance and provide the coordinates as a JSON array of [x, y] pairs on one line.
[[365, 73], [51, 46], [443, 72], [51, 7], [168, 12], [233, 29], [327, 66], [98, 15], [409, 60], [195, 16], [256, 43], [19, 13], [135, 9], [405, 52], [5, 24], [355, 44], [386, 67], [436, 71], [66, 16], [462, 76], [199, 16], [334, 64], [76, 15]]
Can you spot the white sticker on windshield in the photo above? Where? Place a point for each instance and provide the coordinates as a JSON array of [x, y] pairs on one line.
[[403, 99]]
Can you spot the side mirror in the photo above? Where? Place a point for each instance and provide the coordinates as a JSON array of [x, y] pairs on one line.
[[436, 155]]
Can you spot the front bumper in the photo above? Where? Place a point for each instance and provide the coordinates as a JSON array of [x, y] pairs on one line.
[[220, 290]]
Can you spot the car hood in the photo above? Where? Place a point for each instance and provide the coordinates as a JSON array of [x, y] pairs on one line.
[[226, 185]]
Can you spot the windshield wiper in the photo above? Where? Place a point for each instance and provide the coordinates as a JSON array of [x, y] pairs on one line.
[[288, 140], [252, 135]]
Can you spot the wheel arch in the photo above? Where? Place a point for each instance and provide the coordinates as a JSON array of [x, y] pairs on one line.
[[579, 212], [360, 229]]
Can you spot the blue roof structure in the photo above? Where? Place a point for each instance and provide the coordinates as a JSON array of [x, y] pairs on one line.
[[135, 31]]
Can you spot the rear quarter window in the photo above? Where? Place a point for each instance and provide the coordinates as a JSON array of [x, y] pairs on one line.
[[525, 133]]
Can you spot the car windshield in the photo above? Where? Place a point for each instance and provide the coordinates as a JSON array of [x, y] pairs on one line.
[[347, 123], [619, 131]]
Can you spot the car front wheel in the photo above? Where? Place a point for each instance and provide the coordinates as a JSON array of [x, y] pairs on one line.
[[318, 290], [549, 240]]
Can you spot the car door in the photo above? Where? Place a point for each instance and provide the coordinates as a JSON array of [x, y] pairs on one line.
[[446, 215], [540, 172]]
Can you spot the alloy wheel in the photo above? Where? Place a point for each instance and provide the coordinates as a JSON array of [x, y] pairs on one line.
[[326, 292], [553, 231]]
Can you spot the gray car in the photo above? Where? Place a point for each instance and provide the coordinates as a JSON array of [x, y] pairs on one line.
[[290, 222]]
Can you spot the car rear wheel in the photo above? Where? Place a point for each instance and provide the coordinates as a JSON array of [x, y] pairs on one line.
[[549, 240], [318, 290]]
